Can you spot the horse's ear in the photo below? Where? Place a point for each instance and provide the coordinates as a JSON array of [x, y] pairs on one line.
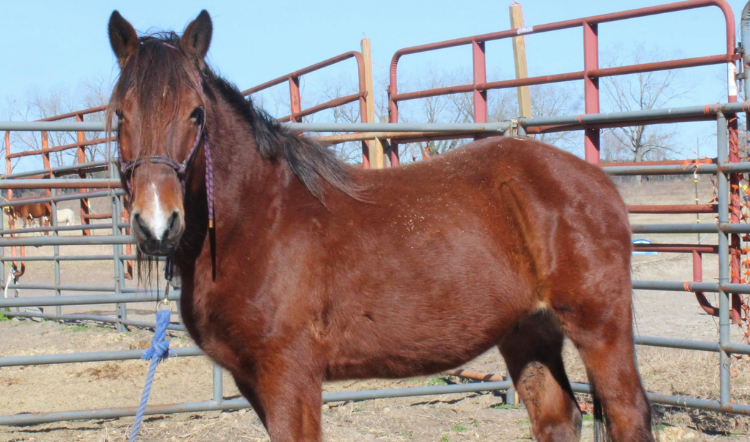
[[122, 37], [197, 38]]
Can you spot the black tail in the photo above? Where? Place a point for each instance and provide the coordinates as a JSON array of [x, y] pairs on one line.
[[600, 431]]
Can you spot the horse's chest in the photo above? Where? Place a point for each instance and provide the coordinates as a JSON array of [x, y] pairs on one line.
[[206, 333]]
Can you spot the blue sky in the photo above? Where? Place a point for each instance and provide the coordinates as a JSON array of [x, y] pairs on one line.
[[58, 45]]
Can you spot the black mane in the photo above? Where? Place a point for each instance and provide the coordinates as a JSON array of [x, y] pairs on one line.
[[310, 161]]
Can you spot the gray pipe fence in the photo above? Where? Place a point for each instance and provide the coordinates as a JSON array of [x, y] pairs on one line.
[[120, 295]]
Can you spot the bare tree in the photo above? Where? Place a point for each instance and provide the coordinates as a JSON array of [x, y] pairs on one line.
[[350, 152], [642, 91], [550, 100], [454, 108], [547, 100], [38, 105]]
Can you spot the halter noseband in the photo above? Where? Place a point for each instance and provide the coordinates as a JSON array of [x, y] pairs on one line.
[[127, 168]]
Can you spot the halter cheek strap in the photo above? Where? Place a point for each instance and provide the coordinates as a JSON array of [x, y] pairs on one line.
[[181, 169]]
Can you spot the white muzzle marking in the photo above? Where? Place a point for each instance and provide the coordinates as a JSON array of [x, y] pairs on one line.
[[159, 222]]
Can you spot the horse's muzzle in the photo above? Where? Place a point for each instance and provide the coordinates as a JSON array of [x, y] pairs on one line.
[[157, 240]]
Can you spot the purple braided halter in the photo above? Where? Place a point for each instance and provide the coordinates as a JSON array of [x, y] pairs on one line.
[[127, 168]]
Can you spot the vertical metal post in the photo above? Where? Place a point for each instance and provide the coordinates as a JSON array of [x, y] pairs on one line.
[[723, 203], [697, 266], [295, 100], [480, 76], [81, 158], [9, 170], [511, 397], [218, 384], [695, 181], [56, 249], [591, 89], [8, 163], [393, 114], [3, 266], [2, 213], [46, 159], [735, 210], [121, 310]]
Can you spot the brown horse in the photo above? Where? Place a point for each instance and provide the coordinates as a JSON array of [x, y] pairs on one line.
[[29, 212], [318, 271]]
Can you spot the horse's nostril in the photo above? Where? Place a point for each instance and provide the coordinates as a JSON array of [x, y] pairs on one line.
[[173, 226], [141, 226]]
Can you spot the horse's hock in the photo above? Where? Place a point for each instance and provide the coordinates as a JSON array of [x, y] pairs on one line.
[[83, 272]]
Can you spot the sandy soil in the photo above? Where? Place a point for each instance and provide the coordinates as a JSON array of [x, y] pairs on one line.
[[463, 417]]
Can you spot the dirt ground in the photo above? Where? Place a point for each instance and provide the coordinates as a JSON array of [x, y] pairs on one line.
[[445, 418]]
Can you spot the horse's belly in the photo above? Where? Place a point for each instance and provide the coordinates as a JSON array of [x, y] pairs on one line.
[[416, 358]]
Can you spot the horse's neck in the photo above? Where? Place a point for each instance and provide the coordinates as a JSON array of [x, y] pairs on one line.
[[246, 186]]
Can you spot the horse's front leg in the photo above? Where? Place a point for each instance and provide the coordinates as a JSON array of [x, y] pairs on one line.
[[287, 401]]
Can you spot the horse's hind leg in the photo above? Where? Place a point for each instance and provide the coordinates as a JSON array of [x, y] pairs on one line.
[[600, 326], [533, 354]]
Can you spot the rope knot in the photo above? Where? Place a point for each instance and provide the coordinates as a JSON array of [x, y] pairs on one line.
[[159, 345], [158, 350]]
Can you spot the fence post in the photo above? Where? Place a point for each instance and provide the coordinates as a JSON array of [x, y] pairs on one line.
[[295, 100], [47, 165], [591, 89], [121, 309], [519, 58], [374, 147], [218, 383], [393, 114], [81, 158], [55, 249], [11, 218], [480, 76]]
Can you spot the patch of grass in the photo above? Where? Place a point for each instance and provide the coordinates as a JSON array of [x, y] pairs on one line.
[[437, 381], [445, 438], [3, 318], [80, 328], [588, 418], [505, 407], [459, 428]]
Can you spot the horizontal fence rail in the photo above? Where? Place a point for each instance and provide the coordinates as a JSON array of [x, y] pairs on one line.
[[297, 127]]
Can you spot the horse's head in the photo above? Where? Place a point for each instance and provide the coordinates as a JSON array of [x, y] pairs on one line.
[[159, 103]]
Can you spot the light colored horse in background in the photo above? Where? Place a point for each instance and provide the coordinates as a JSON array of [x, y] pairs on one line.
[[65, 217]]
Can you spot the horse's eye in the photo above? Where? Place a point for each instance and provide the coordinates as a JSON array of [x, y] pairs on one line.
[[197, 115], [119, 114]]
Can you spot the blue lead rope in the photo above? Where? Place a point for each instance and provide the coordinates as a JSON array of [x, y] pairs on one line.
[[158, 352]]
